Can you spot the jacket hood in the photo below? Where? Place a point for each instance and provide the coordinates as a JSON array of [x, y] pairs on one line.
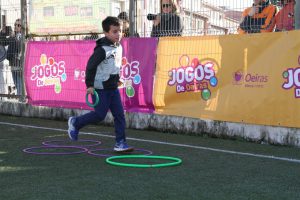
[[105, 42]]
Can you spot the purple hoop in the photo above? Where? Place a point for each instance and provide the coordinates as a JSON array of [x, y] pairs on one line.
[[47, 143], [90, 152], [29, 150]]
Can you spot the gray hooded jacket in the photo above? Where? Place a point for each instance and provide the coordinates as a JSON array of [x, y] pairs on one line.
[[103, 68]]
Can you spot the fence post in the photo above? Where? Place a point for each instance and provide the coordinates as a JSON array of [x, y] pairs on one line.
[[297, 14], [132, 19], [1, 15], [23, 39]]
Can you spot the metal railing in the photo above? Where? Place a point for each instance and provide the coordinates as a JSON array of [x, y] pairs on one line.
[[81, 20]]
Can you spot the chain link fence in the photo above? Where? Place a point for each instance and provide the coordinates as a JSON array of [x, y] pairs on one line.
[[11, 44], [45, 20]]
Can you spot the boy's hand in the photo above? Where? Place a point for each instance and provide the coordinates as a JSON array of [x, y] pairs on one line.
[[90, 90], [120, 83]]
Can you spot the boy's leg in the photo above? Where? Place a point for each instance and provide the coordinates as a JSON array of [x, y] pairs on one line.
[[117, 111], [93, 116], [99, 112]]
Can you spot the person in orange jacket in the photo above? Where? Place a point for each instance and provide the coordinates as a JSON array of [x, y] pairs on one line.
[[259, 18], [285, 20]]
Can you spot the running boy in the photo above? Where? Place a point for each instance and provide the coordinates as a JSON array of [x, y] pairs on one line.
[[102, 75]]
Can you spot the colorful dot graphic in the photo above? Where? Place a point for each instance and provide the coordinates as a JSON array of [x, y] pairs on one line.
[[184, 61], [285, 74], [206, 94], [137, 79], [63, 77], [130, 91], [57, 88], [213, 81]]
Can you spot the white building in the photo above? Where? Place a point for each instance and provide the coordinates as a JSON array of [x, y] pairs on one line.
[[11, 9], [199, 17]]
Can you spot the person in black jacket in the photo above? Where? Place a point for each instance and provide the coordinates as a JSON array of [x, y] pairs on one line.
[[13, 41], [102, 76], [168, 22]]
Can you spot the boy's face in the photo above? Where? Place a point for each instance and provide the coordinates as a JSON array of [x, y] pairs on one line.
[[114, 34]]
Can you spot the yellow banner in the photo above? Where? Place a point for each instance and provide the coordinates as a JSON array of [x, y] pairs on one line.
[[238, 78]]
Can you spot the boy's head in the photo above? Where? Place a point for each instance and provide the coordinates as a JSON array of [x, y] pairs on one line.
[[112, 28]]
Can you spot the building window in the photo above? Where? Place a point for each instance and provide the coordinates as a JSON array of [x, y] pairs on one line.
[[71, 10], [86, 11], [48, 11]]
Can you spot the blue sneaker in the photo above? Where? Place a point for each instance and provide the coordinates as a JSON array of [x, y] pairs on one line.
[[122, 147], [72, 132]]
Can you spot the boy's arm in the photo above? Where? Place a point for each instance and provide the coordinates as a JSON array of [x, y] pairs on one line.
[[96, 58]]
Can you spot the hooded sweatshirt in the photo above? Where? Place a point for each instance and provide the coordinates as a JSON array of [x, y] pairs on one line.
[[103, 67]]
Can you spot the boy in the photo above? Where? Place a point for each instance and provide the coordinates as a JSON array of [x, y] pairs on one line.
[[102, 75]]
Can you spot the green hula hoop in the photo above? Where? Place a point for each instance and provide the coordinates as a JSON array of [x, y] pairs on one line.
[[90, 104], [177, 161]]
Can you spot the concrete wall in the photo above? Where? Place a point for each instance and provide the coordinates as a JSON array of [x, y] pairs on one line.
[[182, 125]]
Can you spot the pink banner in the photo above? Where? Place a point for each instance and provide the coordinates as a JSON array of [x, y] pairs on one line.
[[55, 73]]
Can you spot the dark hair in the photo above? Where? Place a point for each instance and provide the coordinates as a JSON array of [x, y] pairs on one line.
[[110, 21], [123, 16]]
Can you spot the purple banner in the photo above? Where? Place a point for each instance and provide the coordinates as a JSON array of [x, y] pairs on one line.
[[55, 73], [138, 67]]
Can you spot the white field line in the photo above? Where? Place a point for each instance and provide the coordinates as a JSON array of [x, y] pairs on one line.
[[164, 143]]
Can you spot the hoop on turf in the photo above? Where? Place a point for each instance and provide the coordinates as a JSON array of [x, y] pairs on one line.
[[54, 143], [176, 161], [93, 152], [96, 102], [30, 150]]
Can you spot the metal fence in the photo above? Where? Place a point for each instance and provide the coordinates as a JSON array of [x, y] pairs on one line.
[[81, 20], [12, 40]]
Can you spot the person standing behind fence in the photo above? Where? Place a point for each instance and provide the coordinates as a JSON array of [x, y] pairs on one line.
[[167, 22], [102, 76], [13, 43], [285, 20], [123, 16], [259, 18]]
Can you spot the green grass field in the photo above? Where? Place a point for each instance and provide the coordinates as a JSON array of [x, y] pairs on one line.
[[207, 172]]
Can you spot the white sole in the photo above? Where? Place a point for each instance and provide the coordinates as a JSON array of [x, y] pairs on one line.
[[123, 150], [69, 132]]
